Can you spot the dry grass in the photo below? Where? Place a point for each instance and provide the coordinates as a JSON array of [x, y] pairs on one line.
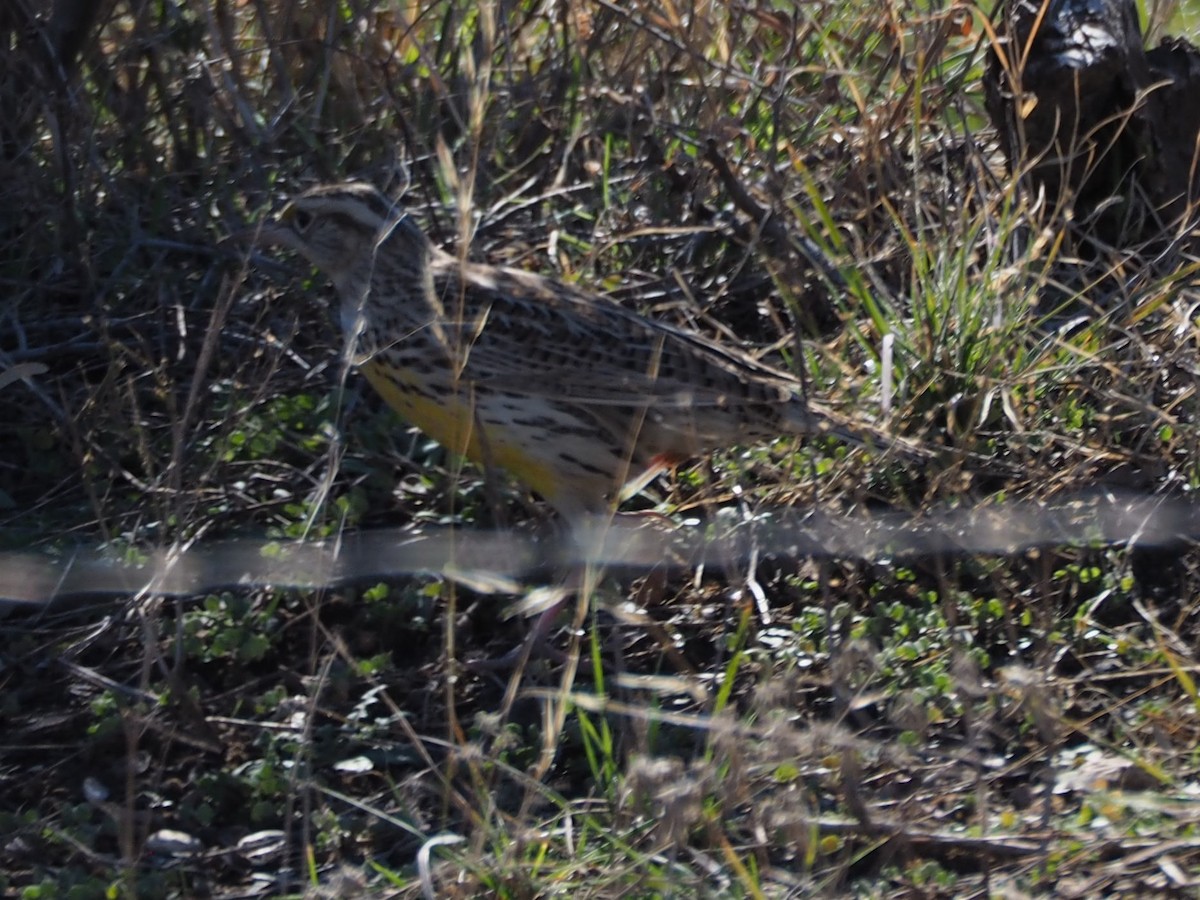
[[762, 716]]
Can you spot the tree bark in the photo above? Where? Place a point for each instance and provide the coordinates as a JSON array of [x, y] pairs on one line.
[[1087, 117]]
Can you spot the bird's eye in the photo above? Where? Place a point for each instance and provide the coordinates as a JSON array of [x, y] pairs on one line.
[[301, 220]]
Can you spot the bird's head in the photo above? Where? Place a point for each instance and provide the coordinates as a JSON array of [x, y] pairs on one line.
[[341, 229]]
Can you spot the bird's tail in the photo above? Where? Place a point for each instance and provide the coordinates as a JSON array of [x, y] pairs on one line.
[[810, 420], [819, 421]]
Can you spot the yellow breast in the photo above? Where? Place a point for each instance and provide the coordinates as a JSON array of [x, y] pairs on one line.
[[453, 419]]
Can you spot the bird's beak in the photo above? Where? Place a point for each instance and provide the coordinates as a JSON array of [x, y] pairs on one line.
[[273, 231], [265, 234]]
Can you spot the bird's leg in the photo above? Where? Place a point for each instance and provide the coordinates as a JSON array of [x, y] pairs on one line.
[[591, 547], [580, 553], [546, 603]]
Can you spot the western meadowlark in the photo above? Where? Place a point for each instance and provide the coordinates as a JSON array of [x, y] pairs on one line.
[[568, 391]]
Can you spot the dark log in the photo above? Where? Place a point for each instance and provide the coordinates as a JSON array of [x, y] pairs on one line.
[[1086, 115], [1174, 172]]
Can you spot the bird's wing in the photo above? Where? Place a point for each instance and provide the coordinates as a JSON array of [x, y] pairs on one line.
[[523, 334]]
